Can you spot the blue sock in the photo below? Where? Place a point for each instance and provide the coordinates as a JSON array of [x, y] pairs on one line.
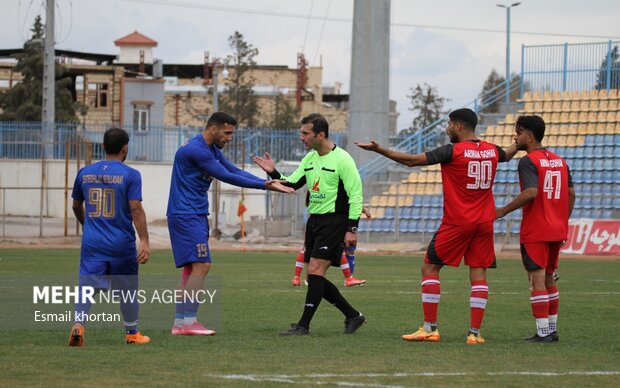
[[349, 253]]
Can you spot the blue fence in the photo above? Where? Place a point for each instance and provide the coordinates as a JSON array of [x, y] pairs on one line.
[[580, 66], [25, 140]]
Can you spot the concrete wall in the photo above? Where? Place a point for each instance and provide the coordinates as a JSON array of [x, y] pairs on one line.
[[20, 182]]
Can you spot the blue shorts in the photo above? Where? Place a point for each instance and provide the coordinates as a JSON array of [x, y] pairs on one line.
[[189, 237], [114, 274]]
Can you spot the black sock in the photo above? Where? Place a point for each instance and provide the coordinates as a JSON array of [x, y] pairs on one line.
[[316, 285], [333, 296]]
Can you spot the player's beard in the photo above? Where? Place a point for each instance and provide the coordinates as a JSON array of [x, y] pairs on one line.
[[453, 138]]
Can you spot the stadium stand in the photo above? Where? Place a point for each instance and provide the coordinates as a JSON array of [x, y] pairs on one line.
[[582, 126]]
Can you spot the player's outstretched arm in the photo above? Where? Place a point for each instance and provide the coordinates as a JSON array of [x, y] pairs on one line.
[[400, 157], [277, 185], [522, 199], [139, 220]]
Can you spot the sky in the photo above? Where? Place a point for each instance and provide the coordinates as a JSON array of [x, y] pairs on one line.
[[451, 45]]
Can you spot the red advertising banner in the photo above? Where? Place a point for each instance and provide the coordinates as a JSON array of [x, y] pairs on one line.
[[593, 237]]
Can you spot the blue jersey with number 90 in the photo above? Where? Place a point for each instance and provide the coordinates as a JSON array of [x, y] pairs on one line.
[[106, 187]]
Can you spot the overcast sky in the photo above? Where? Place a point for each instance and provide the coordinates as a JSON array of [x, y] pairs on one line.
[[431, 40]]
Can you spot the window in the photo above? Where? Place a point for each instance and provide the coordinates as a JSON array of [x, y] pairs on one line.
[[98, 95], [141, 117]]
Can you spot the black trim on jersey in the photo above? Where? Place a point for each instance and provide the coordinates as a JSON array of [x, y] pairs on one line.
[[327, 169], [275, 174], [502, 154], [299, 184], [431, 253], [528, 263], [308, 169], [528, 173], [441, 154], [342, 200]]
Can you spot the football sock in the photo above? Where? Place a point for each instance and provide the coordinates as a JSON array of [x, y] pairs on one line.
[[333, 296], [477, 304], [554, 305], [349, 253], [431, 293], [299, 263], [539, 301], [81, 308], [314, 294], [344, 267], [190, 317], [131, 327]]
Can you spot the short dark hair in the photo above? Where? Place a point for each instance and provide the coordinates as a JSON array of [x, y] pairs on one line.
[[534, 124], [465, 116], [319, 123], [220, 118], [114, 139]]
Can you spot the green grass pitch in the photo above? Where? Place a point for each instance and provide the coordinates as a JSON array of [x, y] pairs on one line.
[[258, 301]]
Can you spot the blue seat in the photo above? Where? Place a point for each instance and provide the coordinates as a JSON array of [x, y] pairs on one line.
[[416, 213], [577, 164], [616, 162], [500, 226], [515, 228], [417, 200], [569, 152], [607, 202], [608, 164], [589, 152], [580, 152], [590, 140], [389, 212], [598, 164]]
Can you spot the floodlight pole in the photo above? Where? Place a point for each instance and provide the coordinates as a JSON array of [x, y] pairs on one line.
[[508, 7]]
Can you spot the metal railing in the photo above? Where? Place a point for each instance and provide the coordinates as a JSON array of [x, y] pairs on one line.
[[23, 140], [575, 66], [434, 134]]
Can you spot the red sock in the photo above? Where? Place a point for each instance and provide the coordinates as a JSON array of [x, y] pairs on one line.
[[554, 300], [478, 302], [344, 266], [539, 300], [431, 293], [299, 263], [187, 270]]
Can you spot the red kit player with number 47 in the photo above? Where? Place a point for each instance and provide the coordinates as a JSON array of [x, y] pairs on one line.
[[547, 197], [468, 167]]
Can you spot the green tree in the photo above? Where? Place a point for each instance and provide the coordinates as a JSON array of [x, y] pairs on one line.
[[491, 94], [601, 77], [24, 101], [239, 99], [427, 105], [285, 114]]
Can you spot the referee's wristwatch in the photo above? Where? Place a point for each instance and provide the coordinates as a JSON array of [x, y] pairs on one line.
[[352, 229]]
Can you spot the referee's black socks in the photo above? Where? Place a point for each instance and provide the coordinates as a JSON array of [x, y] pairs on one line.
[[333, 296], [316, 288]]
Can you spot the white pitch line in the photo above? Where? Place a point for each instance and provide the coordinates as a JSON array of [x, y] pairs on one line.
[[297, 379], [291, 380]]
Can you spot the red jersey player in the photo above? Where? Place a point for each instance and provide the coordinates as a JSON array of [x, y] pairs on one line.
[[547, 197], [468, 168]]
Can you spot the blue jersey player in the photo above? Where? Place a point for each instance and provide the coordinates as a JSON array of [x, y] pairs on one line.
[[107, 199], [196, 164]]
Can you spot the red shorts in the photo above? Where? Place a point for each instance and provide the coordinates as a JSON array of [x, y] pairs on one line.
[[537, 255], [453, 242]]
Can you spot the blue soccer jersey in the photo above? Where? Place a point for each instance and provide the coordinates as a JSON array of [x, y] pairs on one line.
[[106, 188], [196, 164]]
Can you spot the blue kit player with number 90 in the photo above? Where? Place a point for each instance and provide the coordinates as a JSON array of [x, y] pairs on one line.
[[107, 199]]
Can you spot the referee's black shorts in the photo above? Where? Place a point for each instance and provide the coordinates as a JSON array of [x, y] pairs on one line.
[[325, 237]]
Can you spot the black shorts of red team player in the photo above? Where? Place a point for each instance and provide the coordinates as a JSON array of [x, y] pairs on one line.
[[325, 237], [452, 243], [544, 254]]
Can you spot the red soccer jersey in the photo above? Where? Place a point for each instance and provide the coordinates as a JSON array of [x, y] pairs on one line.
[[467, 171], [546, 217]]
